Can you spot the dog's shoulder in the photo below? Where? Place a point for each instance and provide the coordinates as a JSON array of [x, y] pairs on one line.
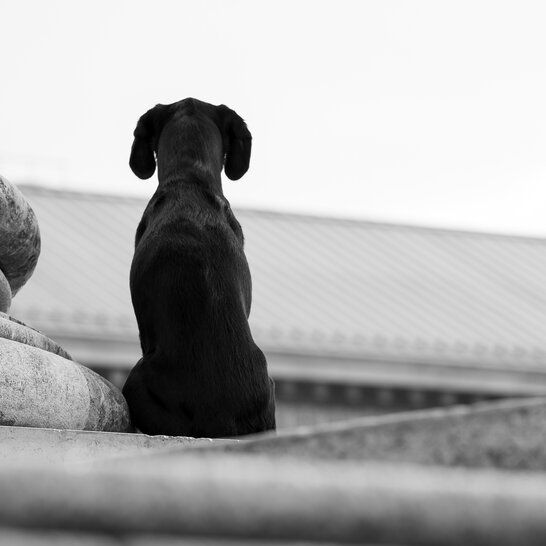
[[222, 212], [235, 225], [195, 215]]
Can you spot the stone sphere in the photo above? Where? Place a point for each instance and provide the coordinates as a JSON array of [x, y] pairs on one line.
[[19, 236], [5, 293], [42, 389]]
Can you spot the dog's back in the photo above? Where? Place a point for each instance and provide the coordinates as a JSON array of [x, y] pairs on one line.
[[201, 373]]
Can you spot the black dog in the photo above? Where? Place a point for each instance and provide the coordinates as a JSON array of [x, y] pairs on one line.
[[201, 373]]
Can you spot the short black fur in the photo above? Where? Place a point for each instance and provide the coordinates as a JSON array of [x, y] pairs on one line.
[[201, 374]]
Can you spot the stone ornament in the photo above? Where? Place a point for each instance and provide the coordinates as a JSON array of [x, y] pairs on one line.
[[19, 237], [40, 384], [5, 293], [42, 389], [11, 328]]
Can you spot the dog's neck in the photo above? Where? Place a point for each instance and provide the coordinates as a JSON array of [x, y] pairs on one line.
[[189, 156], [195, 174]]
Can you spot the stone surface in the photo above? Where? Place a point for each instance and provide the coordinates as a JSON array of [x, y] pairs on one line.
[[171, 491], [54, 446], [19, 236], [11, 537], [5, 294], [504, 434], [16, 330], [243, 496], [15, 537], [42, 389]]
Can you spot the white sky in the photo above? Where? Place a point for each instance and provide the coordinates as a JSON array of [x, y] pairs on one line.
[[419, 112]]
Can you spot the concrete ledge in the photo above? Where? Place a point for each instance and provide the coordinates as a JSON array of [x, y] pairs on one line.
[[218, 495], [207, 496], [25, 445], [507, 434]]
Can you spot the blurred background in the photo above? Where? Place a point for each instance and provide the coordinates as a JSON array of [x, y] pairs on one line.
[[394, 208]]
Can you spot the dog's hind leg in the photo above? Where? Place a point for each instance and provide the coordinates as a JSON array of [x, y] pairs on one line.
[[149, 412]]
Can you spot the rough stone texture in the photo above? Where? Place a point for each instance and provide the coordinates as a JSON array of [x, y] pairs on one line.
[[5, 294], [108, 410], [16, 330], [218, 495], [42, 389], [52, 446], [19, 236], [505, 435]]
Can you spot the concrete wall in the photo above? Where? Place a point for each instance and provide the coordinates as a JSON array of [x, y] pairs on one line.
[[374, 480]]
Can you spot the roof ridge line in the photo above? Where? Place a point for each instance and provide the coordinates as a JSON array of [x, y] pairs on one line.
[[440, 230], [23, 186], [305, 216]]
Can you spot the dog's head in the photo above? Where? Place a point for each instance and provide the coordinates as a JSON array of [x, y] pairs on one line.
[[192, 127]]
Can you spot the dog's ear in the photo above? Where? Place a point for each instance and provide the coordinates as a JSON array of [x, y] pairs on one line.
[[142, 159], [237, 143]]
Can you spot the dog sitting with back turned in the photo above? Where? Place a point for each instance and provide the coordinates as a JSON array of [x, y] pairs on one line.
[[201, 374]]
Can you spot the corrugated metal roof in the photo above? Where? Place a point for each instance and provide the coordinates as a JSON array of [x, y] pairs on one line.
[[321, 285]]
